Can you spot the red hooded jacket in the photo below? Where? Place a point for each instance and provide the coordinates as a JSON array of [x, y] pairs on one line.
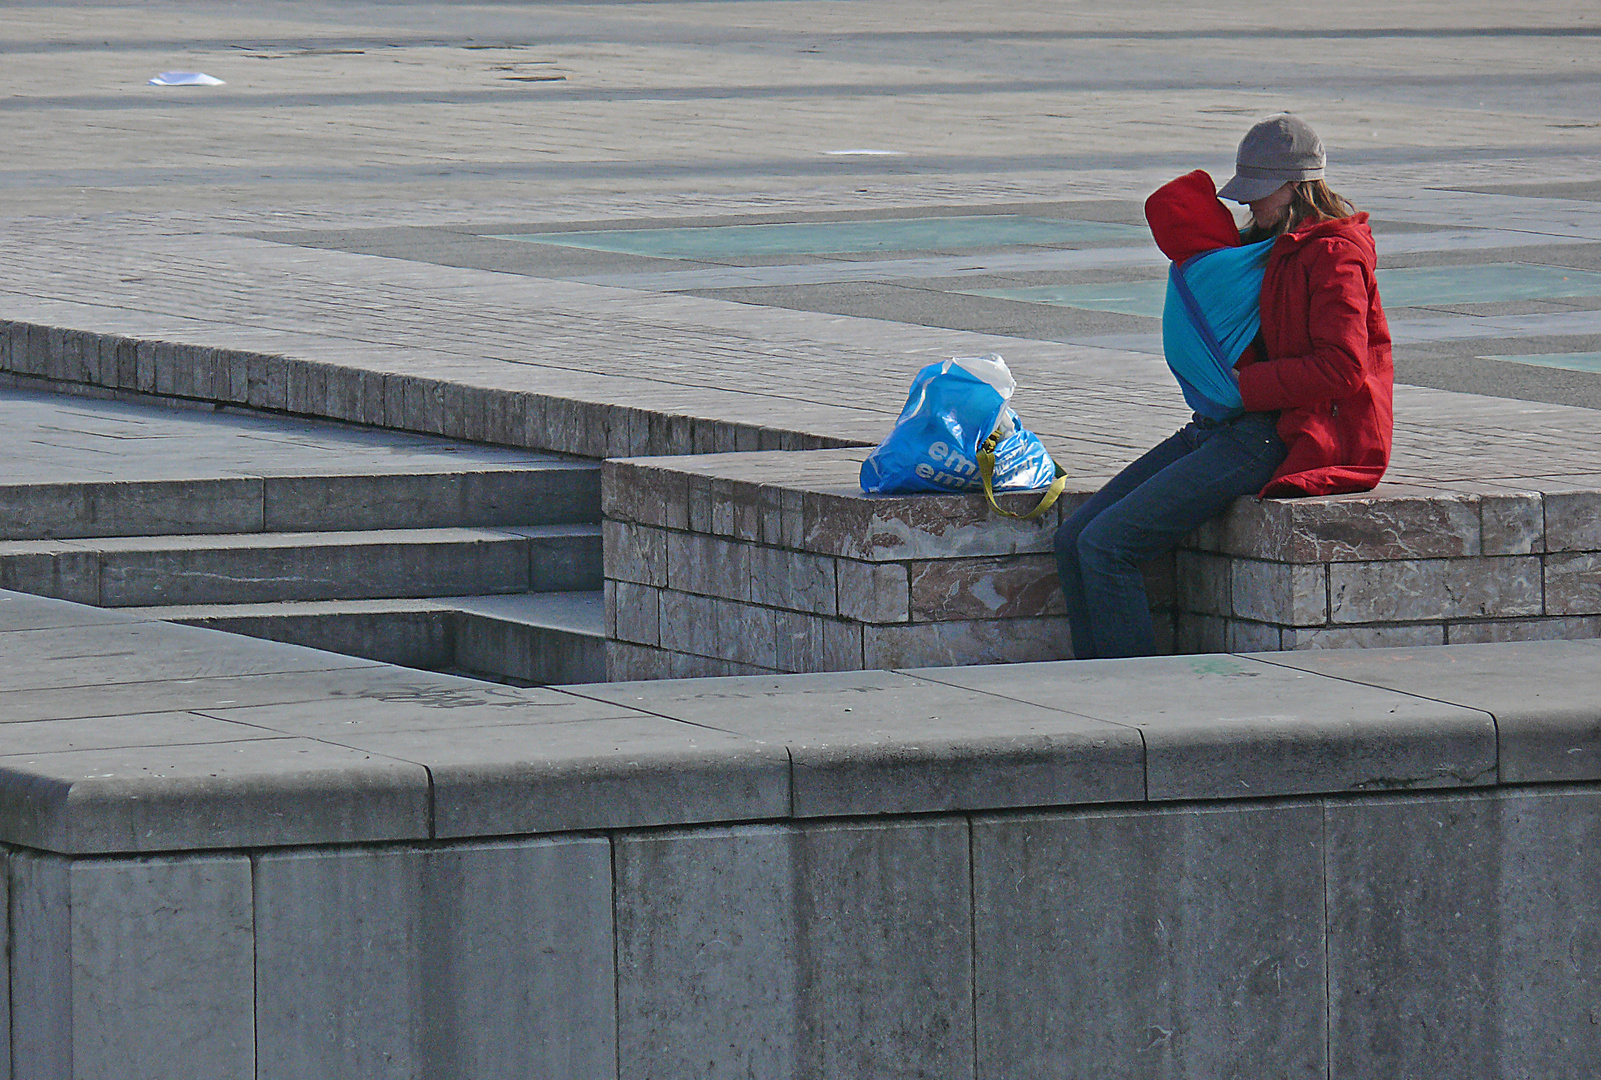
[[1328, 371]]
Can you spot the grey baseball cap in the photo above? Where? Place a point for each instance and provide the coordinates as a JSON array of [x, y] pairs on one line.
[[1279, 149]]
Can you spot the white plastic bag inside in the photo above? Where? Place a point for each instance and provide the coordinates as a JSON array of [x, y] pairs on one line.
[[990, 368], [185, 78]]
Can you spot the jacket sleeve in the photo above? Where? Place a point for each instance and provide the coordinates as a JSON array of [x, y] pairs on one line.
[[1337, 326]]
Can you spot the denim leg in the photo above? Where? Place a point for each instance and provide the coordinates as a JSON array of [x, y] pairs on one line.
[[1068, 569], [1149, 514]]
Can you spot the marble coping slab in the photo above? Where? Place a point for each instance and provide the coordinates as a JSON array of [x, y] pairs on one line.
[[122, 734]]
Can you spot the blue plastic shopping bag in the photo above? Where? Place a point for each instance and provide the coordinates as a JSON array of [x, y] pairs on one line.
[[938, 443]]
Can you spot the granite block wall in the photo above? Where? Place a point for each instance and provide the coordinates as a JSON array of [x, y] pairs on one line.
[[754, 563], [1400, 565], [744, 564]]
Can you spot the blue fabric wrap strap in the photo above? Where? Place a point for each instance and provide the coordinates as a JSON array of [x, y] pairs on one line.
[[1211, 313], [1192, 308]]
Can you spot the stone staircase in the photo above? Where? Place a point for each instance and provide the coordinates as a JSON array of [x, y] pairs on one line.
[[451, 557]]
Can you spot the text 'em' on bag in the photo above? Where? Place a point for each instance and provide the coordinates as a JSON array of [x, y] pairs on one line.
[[956, 433]]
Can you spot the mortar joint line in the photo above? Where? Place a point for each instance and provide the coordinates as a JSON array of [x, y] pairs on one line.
[[1328, 997]]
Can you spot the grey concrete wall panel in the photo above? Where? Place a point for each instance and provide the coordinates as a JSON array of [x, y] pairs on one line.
[[130, 508], [358, 1016], [1465, 935], [808, 952], [592, 774], [1234, 727], [139, 970], [1545, 696], [261, 792], [1150, 944], [41, 967], [520, 961], [542, 493], [878, 742], [6, 945], [162, 980], [477, 962]]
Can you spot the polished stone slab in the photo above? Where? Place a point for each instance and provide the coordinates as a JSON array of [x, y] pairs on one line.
[[140, 651], [254, 793], [189, 756], [28, 737], [880, 742], [424, 705], [618, 773], [373, 684], [1545, 697], [1222, 727], [20, 611]]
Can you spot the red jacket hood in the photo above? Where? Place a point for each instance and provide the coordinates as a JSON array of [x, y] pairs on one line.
[[1186, 217], [1353, 228]]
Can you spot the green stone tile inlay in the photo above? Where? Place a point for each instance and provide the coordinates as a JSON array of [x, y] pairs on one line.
[[1418, 286], [1421, 286], [840, 237], [1584, 361], [1124, 297]]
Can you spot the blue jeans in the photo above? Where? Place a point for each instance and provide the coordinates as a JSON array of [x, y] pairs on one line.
[[1189, 478]]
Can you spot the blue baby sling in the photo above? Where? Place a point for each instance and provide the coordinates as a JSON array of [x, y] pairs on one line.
[[1211, 313]]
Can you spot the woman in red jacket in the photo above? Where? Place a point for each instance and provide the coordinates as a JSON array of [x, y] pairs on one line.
[[1316, 388]]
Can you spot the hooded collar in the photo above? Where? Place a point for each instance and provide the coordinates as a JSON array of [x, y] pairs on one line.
[[1353, 228]]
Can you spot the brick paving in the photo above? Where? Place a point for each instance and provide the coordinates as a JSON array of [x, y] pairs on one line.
[[138, 210]]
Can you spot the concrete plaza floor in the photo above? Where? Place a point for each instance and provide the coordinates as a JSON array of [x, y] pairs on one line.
[[775, 212], [771, 214]]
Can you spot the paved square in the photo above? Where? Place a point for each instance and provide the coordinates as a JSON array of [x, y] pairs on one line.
[[773, 213]]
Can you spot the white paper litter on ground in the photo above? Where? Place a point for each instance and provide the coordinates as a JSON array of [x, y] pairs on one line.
[[185, 78]]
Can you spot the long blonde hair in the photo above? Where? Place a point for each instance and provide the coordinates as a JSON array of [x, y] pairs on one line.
[[1310, 201]]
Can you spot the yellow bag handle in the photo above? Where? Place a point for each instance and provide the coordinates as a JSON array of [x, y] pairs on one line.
[[986, 470]]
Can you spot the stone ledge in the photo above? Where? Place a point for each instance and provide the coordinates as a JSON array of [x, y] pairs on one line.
[[414, 398], [186, 756], [722, 556]]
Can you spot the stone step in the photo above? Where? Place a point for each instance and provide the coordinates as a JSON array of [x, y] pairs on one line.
[[525, 638], [545, 638], [143, 571], [548, 491]]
